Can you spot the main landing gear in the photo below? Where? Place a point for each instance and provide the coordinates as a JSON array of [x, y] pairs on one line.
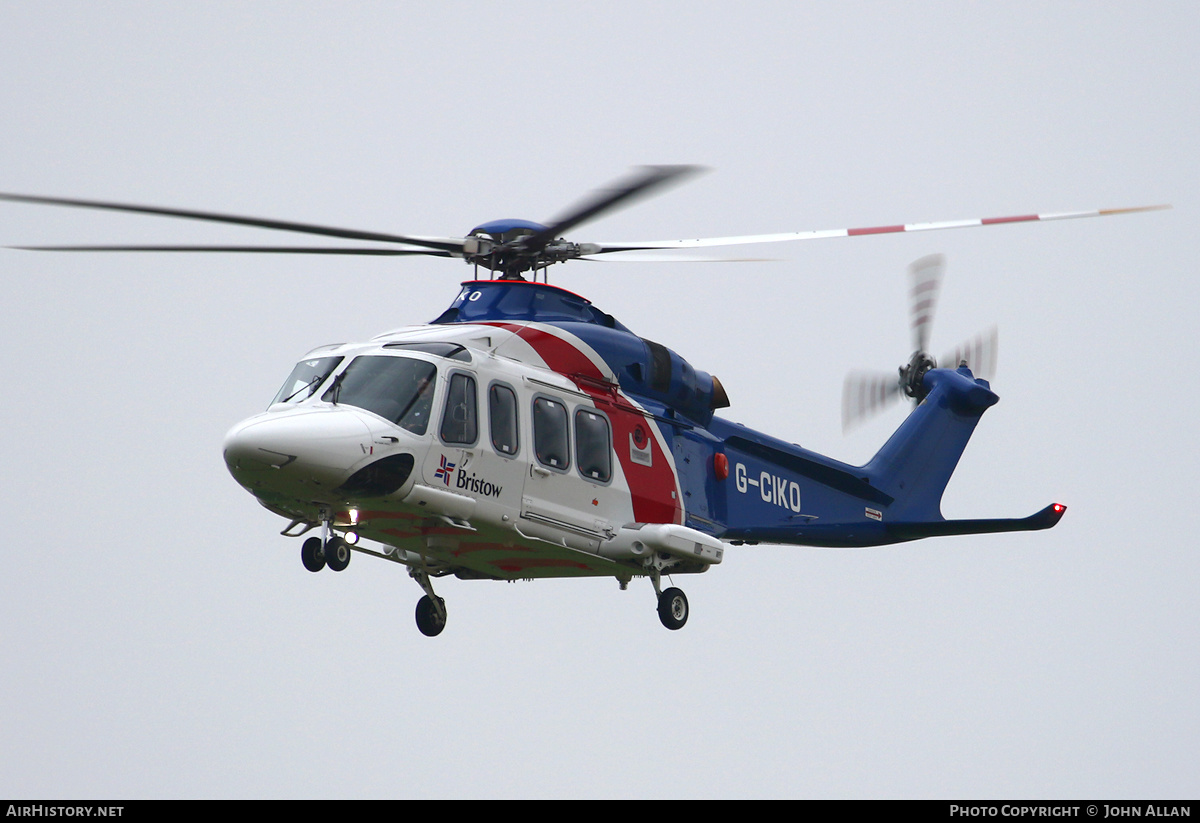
[[672, 604], [431, 616], [331, 550], [431, 609], [673, 608]]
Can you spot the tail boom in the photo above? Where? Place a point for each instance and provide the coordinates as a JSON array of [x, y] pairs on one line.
[[786, 494]]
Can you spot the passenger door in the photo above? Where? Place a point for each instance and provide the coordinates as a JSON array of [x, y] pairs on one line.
[[570, 471]]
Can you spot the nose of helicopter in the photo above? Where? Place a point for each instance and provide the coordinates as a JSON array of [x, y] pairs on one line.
[[278, 451]]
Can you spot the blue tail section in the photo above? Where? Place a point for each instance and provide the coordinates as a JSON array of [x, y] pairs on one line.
[[778, 492], [916, 462]]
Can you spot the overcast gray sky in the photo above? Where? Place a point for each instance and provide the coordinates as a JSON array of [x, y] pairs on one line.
[[162, 640]]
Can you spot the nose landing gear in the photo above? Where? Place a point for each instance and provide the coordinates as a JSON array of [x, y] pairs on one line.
[[326, 550], [312, 554], [337, 554]]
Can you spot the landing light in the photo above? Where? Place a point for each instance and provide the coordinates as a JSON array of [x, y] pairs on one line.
[[351, 538]]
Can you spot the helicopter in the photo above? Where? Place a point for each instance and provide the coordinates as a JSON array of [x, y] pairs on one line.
[[526, 434]]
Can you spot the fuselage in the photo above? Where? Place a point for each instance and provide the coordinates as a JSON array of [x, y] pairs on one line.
[[470, 441], [525, 433]]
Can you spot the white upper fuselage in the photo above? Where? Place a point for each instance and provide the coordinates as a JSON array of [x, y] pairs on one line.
[[506, 453]]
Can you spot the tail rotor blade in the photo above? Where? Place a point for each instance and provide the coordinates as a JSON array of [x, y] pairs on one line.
[[865, 394], [926, 276], [979, 353]]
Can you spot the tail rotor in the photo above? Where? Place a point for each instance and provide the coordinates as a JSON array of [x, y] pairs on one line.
[[865, 394]]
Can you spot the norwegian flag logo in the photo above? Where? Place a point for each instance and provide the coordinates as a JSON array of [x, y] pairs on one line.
[[444, 471]]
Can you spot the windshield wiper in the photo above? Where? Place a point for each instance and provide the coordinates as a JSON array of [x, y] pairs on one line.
[[312, 386], [335, 388]]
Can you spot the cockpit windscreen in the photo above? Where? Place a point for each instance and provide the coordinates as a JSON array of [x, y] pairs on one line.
[[398, 389]]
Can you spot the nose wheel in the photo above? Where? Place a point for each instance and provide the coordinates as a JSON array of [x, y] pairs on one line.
[[312, 554], [337, 554], [326, 550]]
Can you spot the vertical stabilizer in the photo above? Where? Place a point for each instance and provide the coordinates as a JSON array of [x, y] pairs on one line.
[[916, 462]]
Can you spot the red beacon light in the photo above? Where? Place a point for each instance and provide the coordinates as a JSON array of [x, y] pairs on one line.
[[720, 466]]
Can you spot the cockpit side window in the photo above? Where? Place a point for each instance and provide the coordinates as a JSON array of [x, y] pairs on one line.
[[460, 422], [502, 417], [551, 438], [593, 446], [305, 379]]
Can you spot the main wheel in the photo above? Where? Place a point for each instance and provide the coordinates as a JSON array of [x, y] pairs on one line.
[[337, 554], [429, 620], [673, 609], [312, 554]]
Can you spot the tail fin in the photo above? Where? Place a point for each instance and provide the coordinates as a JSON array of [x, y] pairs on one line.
[[916, 462]]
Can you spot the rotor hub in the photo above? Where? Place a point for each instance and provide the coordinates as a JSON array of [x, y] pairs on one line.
[[912, 375], [509, 248]]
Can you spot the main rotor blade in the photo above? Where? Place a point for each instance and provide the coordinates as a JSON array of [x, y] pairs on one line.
[[654, 256], [623, 193], [865, 394], [926, 276], [787, 237], [243, 249], [980, 353], [447, 244]]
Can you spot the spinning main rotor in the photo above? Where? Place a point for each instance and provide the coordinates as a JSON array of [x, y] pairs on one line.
[[508, 248]]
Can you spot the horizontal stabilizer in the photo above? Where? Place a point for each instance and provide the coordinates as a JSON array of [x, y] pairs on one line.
[[1045, 519]]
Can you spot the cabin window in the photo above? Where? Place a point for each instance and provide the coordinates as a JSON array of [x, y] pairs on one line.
[[398, 389], [460, 423], [502, 416], [550, 436], [593, 446]]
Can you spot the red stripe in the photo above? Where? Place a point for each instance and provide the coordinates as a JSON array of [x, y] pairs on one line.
[[874, 230], [1024, 218], [470, 548], [652, 488], [403, 534], [558, 354]]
